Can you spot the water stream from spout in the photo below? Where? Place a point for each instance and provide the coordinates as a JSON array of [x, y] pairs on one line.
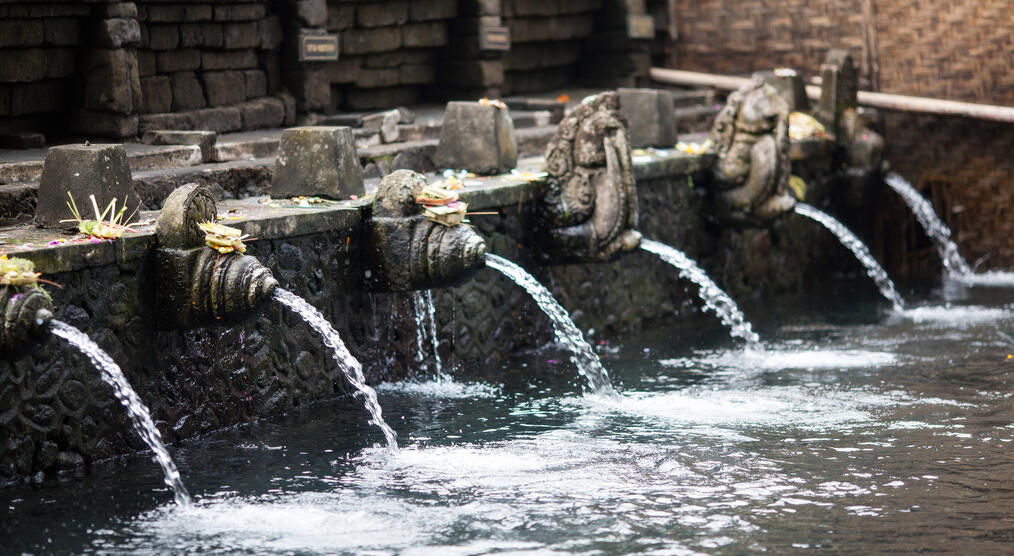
[[138, 412], [564, 329], [859, 249], [712, 296], [426, 325], [931, 223], [350, 367]]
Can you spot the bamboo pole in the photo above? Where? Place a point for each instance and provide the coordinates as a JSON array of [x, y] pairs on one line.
[[903, 103]]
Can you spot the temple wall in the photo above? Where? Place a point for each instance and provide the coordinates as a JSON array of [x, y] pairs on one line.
[[59, 415]]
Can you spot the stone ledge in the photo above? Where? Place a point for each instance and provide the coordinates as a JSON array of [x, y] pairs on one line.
[[55, 251]]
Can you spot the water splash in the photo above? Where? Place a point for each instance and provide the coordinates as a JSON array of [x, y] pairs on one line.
[[859, 249], [420, 328], [350, 367], [566, 332], [431, 316], [138, 412], [931, 223], [712, 296]]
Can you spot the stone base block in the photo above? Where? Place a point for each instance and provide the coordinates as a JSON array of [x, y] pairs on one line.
[[317, 160], [477, 137], [84, 170], [649, 116]]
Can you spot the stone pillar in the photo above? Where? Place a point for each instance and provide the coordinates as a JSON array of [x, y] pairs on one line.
[[472, 65], [112, 94], [650, 117], [308, 81], [618, 53], [839, 88]]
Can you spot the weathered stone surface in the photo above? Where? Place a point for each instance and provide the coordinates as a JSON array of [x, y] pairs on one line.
[[256, 83], [181, 120], [204, 139], [311, 88], [386, 123], [145, 63], [317, 161], [156, 94], [21, 65], [478, 137], [126, 10], [60, 62], [424, 35], [241, 35], [751, 137], [649, 117], [237, 59], [789, 85], [839, 88], [42, 96], [381, 14], [21, 33], [263, 113], [118, 32], [340, 16], [416, 74], [409, 252], [381, 77], [473, 73], [112, 83], [104, 124], [187, 92], [222, 120], [311, 13], [84, 170], [271, 33], [427, 10], [223, 87], [22, 140], [163, 37], [364, 41], [188, 59], [589, 211], [239, 12]]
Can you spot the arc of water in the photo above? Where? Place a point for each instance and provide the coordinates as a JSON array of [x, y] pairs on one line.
[[564, 329], [954, 263], [713, 297], [859, 249], [349, 366], [431, 316], [138, 412]]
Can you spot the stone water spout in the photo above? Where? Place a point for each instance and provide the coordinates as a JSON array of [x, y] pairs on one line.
[[25, 309], [751, 137], [589, 211], [198, 284], [407, 250]]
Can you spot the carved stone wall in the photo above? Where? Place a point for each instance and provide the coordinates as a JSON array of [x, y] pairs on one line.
[[58, 415]]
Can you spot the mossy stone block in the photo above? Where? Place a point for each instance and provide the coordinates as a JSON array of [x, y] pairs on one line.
[[82, 171], [477, 137], [317, 160]]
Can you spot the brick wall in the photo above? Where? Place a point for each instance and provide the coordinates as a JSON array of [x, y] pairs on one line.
[[934, 48], [209, 66], [39, 63], [389, 50]]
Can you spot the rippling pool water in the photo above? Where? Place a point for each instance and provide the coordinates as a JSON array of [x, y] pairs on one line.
[[887, 433]]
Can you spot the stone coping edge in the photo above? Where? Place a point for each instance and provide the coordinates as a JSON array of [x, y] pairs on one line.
[[58, 251]]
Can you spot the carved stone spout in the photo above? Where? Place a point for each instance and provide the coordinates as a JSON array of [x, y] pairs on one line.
[[589, 211], [411, 252], [751, 136], [26, 311], [200, 285]]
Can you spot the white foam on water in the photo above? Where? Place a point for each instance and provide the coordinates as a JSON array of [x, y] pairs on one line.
[[786, 359], [322, 522], [991, 278], [739, 409], [970, 314], [442, 389]]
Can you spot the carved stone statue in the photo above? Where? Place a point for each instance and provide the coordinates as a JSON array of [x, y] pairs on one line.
[[751, 137], [590, 207]]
